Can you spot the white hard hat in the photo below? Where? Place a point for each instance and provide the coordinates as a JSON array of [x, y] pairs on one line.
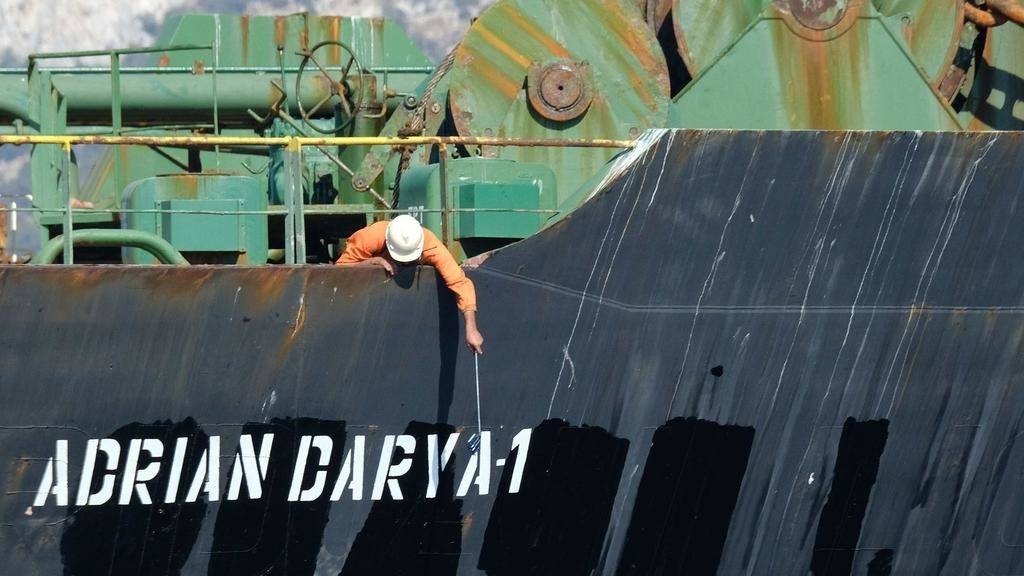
[[404, 238]]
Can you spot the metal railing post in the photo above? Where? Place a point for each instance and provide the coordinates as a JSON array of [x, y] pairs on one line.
[[216, 106], [446, 204], [116, 120], [294, 220], [69, 246], [300, 213], [115, 92], [289, 209]]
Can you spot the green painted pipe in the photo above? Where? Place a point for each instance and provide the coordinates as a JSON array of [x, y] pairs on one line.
[[151, 243], [13, 96], [173, 96]]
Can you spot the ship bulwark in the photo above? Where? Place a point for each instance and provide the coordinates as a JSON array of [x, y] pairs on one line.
[[765, 353]]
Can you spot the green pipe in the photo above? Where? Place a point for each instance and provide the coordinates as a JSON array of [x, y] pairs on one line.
[[155, 245], [182, 97], [13, 98]]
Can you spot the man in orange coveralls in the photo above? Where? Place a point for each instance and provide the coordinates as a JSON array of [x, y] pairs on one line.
[[403, 241]]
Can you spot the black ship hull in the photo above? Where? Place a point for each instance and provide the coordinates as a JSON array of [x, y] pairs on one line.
[[764, 353]]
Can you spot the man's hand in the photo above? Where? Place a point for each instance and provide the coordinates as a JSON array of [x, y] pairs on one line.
[[383, 263], [376, 262], [475, 341]]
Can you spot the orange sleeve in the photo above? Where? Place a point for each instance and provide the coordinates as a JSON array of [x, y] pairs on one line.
[[364, 244], [435, 254]]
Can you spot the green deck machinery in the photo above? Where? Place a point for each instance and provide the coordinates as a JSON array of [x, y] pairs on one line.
[[611, 69], [229, 76], [548, 71]]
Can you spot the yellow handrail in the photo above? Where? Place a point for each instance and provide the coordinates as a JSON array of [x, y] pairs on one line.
[[71, 140], [294, 218]]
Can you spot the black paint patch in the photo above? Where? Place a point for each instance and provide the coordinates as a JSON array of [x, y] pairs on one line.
[[557, 522], [414, 535], [686, 498], [860, 450], [881, 564], [137, 538], [272, 535], [717, 371]]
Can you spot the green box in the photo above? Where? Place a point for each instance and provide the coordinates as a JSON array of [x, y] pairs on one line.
[[211, 218], [189, 231], [493, 221], [514, 199]]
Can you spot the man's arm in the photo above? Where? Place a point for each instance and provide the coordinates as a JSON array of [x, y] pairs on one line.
[[362, 248], [435, 254]]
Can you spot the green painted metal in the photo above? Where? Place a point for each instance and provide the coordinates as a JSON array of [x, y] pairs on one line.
[[204, 225], [279, 42], [13, 96], [68, 223], [254, 40], [930, 29], [326, 171], [781, 74], [487, 199], [216, 218], [294, 221], [610, 52], [538, 69], [276, 42], [181, 96], [184, 102], [424, 112], [706, 28], [158, 247], [211, 74]]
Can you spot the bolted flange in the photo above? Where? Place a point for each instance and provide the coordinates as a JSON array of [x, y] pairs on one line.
[[560, 90]]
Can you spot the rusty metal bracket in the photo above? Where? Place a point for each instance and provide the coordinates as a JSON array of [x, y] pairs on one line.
[[1009, 9], [275, 108]]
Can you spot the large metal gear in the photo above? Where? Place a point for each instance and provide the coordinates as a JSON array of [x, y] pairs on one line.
[[557, 69]]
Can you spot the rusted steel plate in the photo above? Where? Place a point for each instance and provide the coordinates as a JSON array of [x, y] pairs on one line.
[[930, 29], [599, 73], [781, 352]]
